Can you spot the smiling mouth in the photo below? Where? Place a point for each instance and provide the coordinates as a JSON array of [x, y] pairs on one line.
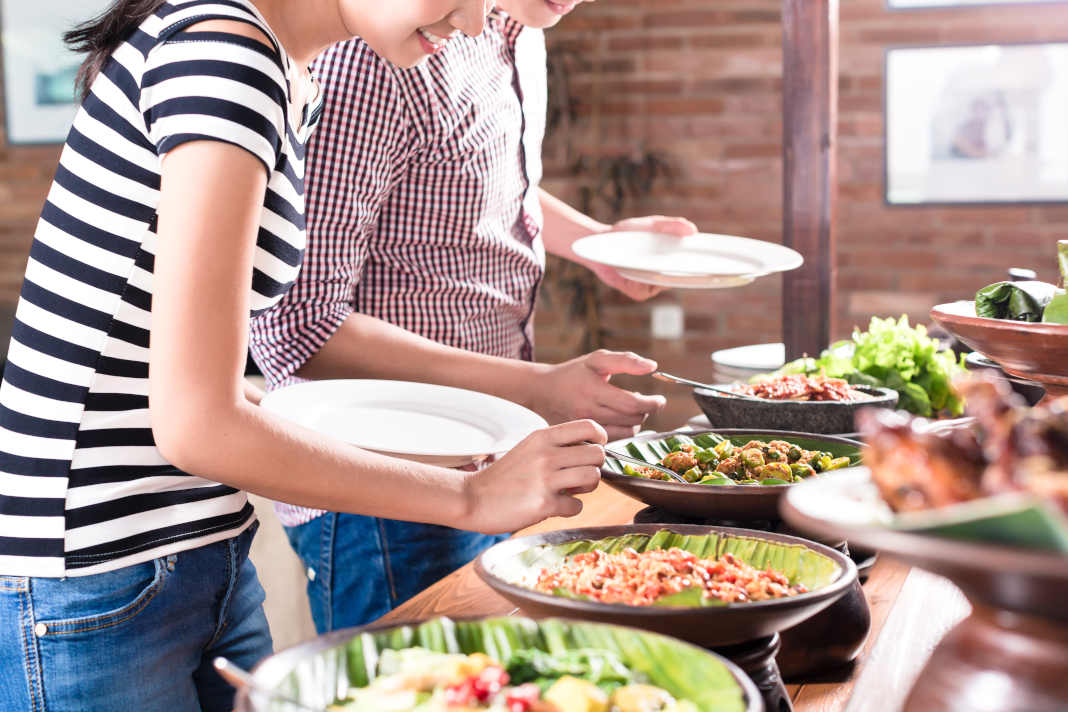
[[435, 42], [561, 8]]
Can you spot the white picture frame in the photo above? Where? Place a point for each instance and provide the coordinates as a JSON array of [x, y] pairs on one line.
[[977, 124], [922, 4], [39, 70]]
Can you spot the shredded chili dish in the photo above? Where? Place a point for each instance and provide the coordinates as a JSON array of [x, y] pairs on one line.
[[645, 578], [799, 387]]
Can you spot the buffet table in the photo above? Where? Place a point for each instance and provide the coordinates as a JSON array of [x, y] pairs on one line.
[[910, 609]]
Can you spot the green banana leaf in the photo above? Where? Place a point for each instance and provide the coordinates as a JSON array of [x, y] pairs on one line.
[[1018, 301], [798, 563], [1056, 312], [684, 670], [652, 451], [1019, 520]]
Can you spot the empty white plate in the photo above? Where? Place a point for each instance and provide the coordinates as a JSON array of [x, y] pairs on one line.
[[701, 261], [434, 424]]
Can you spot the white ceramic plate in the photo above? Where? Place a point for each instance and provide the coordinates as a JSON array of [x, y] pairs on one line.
[[754, 357], [701, 261], [438, 425]]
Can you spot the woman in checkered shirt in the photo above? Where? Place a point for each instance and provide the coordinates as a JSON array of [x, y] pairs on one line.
[[427, 240]]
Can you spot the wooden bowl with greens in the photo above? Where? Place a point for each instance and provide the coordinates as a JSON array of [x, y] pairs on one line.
[[816, 576], [556, 660]]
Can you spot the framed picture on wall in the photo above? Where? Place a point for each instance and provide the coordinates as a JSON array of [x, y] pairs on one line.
[[909, 4], [39, 71], [977, 124]]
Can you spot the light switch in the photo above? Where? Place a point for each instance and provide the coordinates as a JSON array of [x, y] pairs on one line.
[[668, 321]]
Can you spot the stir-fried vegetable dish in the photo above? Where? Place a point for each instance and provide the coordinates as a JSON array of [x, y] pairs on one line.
[[659, 576], [708, 459], [582, 680], [799, 387]]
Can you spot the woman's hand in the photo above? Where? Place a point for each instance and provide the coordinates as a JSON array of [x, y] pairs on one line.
[[537, 479], [581, 388]]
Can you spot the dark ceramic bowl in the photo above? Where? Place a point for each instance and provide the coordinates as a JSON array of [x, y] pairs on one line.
[[829, 417], [1032, 392], [735, 503], [710, 626], [314, 672]]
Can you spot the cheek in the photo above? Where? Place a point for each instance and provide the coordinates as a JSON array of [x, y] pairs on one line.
[[532, 13], [390, 34]]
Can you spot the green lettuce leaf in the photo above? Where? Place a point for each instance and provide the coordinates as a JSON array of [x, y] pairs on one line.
[[1018, 301], [893, 354]]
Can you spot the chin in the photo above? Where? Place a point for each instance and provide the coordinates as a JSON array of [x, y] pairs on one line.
[[404, 55], [408, 60]]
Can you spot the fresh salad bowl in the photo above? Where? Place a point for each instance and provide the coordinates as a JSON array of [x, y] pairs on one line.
[[512, 568], [553, 660], [723, 501]]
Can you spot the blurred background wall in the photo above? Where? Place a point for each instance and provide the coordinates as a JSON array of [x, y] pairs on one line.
[[674, 107], [697, 85]]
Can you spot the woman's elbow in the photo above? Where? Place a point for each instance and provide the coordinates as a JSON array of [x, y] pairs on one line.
[[187, 436]]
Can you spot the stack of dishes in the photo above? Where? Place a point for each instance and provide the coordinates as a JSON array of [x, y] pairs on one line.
[[743, 362]]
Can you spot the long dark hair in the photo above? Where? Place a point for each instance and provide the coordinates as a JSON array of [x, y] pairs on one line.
[[104, 34]]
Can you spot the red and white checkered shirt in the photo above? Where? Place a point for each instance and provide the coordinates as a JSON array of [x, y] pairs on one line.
[[422, 203]]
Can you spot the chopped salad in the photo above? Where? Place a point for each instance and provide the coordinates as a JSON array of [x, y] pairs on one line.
[[583, 680], [799, 387], [659, 575]]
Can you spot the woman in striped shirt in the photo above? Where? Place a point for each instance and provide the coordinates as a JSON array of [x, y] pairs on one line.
[[127, 433]]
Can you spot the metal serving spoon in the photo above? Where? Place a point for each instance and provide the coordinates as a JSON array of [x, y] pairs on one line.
[[240, 678], [661, 376], [627, 458]]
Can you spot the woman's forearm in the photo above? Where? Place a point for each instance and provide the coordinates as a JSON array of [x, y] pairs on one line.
[[246, 447], [366, 347]]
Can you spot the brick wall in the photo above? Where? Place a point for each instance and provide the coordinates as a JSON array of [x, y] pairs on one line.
[[699, 82]]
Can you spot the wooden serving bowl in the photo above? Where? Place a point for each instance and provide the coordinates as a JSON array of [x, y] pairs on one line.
[[1011, 654], [1032, 351], [316, 671], [709, 626]]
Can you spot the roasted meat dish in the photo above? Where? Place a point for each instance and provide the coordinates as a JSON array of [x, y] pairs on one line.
[[1012, 448]]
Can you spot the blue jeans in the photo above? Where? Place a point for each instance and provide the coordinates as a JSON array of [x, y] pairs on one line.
[[360, 568], [139, 638]]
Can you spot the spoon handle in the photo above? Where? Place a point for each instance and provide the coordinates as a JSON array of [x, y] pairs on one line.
[[627, 458], [660, 375], [240, 678]]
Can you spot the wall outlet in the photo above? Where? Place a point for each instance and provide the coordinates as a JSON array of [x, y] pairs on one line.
[[667, 321]]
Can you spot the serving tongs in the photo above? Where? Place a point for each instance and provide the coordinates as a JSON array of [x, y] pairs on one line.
[[240, 678], [637, 461], [661, 376]]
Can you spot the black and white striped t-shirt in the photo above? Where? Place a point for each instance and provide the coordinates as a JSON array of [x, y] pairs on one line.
[[83, 489]]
